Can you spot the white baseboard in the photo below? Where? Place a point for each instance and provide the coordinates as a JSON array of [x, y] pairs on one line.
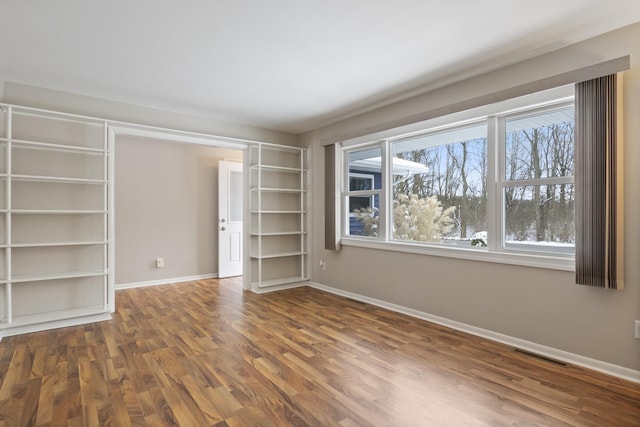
[[55, 324], [550, 352], [165, 281], [278, 288]]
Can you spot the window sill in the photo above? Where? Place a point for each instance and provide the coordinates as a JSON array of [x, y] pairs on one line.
[[552, 262]]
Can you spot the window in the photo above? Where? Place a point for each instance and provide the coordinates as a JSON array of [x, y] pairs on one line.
[[537, 189], [364, 191], [360, 182], [447, 203], [500, 183]]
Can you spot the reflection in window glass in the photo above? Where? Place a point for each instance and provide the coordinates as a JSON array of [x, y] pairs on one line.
[[362, 164], [365, 219]]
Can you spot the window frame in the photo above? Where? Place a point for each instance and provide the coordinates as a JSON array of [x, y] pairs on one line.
[[495, 116], [346, 192]]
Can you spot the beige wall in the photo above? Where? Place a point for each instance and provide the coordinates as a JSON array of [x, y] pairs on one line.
[[538, 305], [166, 205]]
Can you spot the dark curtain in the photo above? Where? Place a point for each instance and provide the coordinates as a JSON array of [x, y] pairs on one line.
[[599, 232]]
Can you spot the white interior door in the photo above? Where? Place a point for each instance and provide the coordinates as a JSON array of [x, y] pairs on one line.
[[229, 219]]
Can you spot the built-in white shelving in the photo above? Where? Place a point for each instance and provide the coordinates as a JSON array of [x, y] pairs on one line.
[[278, 200], [55, 211]]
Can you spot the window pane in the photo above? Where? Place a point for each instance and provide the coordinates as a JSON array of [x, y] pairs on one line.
[[439, 186], [364, 219], [540, 217], [365, 169], [235, 197], [540, 145]]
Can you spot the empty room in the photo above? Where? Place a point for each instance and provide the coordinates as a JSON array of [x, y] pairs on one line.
[[320, 213]]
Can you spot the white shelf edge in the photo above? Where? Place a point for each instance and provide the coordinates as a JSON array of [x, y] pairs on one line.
[[278, 255], [278, 190], [57, 211], [57, 179], [278, 147], [56, 147], [279, 212], [281, 233], [55, 244], [57, 276], [273, 168], [281, 281], [50, 316]]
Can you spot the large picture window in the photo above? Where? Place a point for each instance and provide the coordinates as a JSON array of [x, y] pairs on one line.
[[498, 183]]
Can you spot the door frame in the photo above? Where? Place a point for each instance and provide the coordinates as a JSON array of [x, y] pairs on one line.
[[116, 129]]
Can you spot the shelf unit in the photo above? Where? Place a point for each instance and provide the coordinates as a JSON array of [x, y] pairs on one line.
[[55, 230], [278, 204]]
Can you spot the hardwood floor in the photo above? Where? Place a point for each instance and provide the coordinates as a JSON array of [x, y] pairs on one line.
[[208, 354]]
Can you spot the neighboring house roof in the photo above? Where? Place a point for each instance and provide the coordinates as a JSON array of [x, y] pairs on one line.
[[400, 166]]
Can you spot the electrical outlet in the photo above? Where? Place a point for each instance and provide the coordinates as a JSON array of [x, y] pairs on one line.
[[638, 329], [323, 265], [159, 262]]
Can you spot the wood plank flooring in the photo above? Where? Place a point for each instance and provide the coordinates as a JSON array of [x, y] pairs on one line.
[[208, 354]]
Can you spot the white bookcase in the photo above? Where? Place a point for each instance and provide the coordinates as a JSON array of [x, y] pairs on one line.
[[55, 198], [278, 204]]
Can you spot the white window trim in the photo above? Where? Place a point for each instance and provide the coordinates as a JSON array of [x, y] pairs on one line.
[[495, 251]]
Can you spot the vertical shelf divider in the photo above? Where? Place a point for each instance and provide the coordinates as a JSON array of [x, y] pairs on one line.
[[8, 224]]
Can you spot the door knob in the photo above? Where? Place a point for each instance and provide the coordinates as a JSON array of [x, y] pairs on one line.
[[222, 228]]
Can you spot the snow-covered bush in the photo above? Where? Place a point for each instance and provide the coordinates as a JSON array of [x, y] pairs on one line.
[[414, 218]]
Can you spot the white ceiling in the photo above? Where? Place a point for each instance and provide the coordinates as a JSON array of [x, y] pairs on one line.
[[290, 65]]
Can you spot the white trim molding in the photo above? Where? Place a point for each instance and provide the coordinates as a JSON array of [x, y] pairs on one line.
[[269, 289], [165, 281], [550, 352], [55, 324]]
